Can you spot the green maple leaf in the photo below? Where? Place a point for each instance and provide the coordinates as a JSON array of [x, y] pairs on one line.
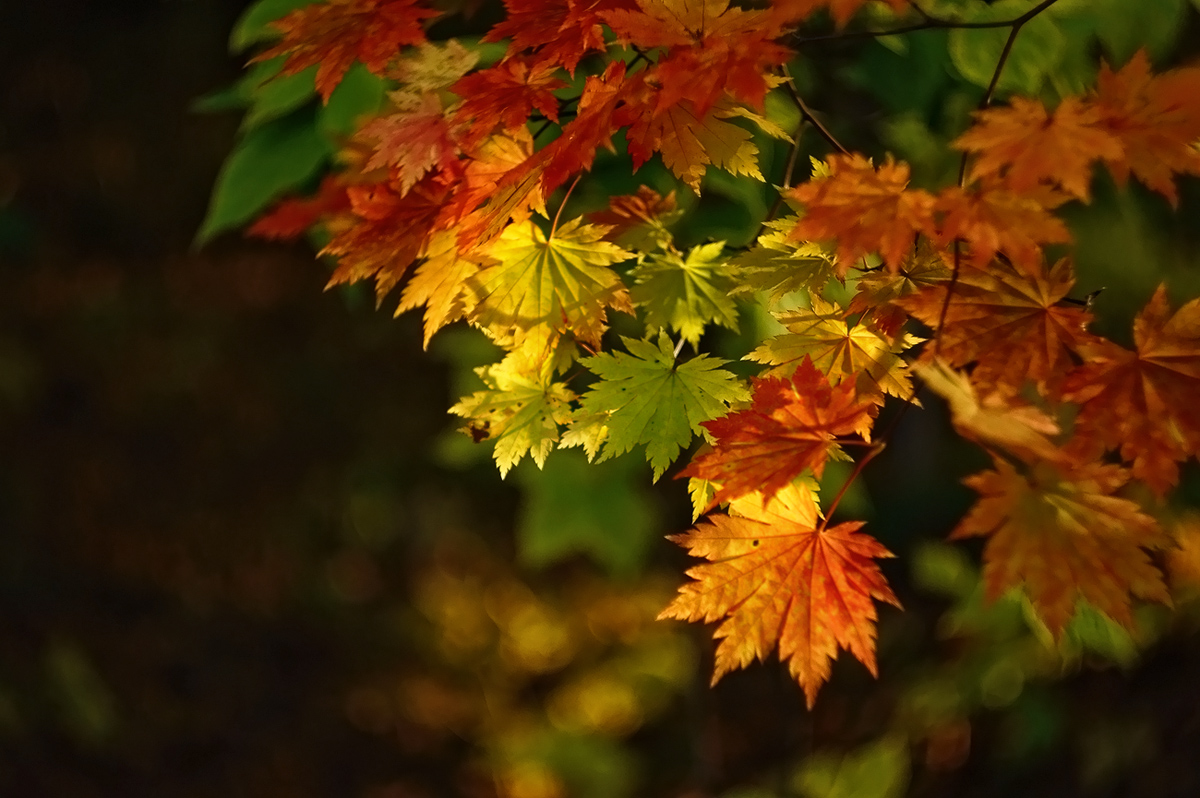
[[563, 279], [645, 397], [779, 266], [520, 410], [684, 294]]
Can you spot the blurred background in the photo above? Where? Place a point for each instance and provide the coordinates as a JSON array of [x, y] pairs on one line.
[[244, 553]]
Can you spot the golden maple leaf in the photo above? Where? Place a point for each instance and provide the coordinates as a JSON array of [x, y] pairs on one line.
[[840, 349], [777, 577], [1062, 535], [562, 279]]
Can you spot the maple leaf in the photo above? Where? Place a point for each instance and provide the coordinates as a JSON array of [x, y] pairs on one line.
[[638, 221], [505, 95], [1156, 119], [690, 142], [1025, 145], [877, 290], [336, 33], [488, 165], [777, 578], [384, 232], [645, 397], [1144, 402], [1063, 535], [520, 409], [840, 349], [293, 216], [1012, 322], [997, 421], [711, 49], [791, 427], [558, 32], [413, 142], [439, 283], [994, 219], [685, 294], [562, 279], [865, 209], [780, 265], [431, 67]]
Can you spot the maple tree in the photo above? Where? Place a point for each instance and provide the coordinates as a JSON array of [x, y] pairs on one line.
[[868, 286]]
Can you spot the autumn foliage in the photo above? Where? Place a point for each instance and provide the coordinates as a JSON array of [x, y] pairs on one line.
[[457, 194]]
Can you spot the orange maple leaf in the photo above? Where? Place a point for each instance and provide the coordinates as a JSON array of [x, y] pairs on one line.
[[1156, 118], [1012, 323], [1146, 402], [877, 290], [1063, 535], [791, 427], [778, 578], [413, 142], [865, 209], [992, 219], [336, 33], [1025, 145]]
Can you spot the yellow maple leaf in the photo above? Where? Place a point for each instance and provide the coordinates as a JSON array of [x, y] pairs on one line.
[[565, 280], [520, 409], [840, 350], [439, 283], [690, 142]]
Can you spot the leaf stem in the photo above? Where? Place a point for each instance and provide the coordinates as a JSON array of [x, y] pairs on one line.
[[563, 204], [859, 465]]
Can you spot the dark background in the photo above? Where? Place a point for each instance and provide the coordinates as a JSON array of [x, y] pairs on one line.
[[223, 517]]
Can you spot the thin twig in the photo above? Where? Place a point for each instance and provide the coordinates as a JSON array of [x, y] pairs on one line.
[[808, 114], [931, 23]]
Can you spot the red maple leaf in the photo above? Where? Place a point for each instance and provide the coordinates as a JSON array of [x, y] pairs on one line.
[[384, 232], [294, 215], [791, 427], [336, 33], [711, 49], [1145, 402], [505, 95], [1062, 535], [559, 32]]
